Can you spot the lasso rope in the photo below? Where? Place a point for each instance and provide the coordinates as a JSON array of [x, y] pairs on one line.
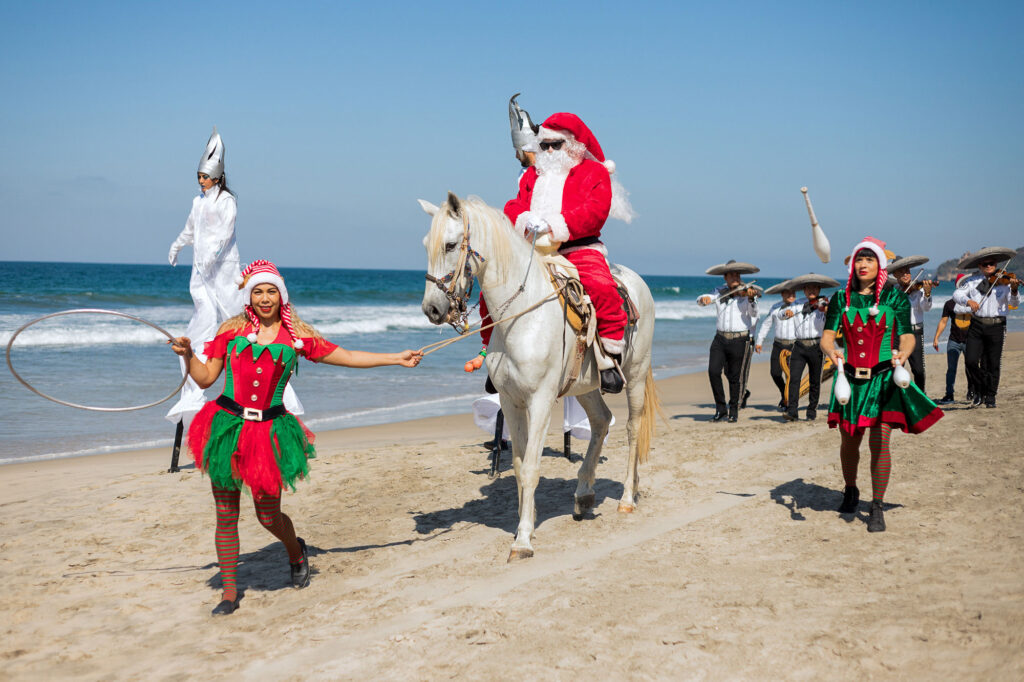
[[81, 311]]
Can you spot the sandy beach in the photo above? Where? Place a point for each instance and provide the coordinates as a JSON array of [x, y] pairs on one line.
[[735, 566]]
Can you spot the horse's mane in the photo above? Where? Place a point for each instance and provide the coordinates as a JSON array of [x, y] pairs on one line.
[[489, 231]]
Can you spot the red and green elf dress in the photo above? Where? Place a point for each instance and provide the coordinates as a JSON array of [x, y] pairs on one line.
[[251, 449], [869, 340]]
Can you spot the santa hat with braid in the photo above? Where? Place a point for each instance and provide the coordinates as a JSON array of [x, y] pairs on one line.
[[265, 272], [876, 246]]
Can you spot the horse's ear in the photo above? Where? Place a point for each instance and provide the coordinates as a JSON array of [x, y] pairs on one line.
[[454, 205], [428, 207]]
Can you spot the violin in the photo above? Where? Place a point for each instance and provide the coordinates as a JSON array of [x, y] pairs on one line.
[[918, 285], [751, 292], [1004, 278]]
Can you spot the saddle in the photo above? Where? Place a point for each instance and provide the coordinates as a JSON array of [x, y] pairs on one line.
[[578, 311]]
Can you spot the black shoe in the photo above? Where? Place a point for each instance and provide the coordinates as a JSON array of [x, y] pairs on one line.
[[977, 401], [226, 607], [743, 401], [782, 405], [876, 522], [489, 387], [851, 498], [300, 571], [719, 416], [812, 415], [990, 401], [970, 396], [789, 416], [611, 381], [945, 400], [491, 443], [732, 419]]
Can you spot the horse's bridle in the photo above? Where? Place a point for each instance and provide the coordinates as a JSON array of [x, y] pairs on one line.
[[458, 308]]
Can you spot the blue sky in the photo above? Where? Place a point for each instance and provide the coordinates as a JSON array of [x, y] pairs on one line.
[[903, 118]]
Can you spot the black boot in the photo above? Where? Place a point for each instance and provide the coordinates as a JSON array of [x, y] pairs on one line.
[[876, 522], [743, 400], [300, 570], [851, 498], [489, 387], [611, 379]]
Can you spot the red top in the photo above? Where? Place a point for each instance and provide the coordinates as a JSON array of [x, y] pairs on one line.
[[256, 374], [586, 198]]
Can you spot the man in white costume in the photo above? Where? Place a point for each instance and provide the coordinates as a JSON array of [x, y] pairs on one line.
[[216, 271]]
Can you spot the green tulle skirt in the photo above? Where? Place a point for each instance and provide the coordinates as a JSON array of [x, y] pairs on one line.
[[879, 401]]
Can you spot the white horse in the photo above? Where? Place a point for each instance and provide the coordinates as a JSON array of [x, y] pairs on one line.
[[529, 358]]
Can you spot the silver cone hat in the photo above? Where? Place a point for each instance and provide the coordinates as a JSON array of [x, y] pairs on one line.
[[212, 160], [524, 132]]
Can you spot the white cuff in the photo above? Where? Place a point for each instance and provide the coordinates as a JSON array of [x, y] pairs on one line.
[[613, 346], [559, 230]]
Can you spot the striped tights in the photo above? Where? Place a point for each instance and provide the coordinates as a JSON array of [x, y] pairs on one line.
[[268, 511], [881, 459]]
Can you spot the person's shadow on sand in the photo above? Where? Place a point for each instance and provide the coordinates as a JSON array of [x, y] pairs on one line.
[[797, 494], [265, 570]]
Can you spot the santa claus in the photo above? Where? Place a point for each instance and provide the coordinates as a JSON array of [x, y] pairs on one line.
[[568, 192]]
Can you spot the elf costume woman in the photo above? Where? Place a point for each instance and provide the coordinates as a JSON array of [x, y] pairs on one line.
[[246, 437], [874, 317]]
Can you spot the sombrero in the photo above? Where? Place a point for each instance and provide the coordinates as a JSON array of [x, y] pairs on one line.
[[777, 288], [996, 253], [733, 266], [908, 262], [824, 281]]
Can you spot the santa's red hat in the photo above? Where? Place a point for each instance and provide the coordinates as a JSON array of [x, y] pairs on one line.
[[265, 272], [556, 125]]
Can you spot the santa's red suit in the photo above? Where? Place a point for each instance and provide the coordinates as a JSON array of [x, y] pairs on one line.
[[576, 220]]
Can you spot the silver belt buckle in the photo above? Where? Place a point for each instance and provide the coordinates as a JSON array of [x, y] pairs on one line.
[[861, 372], [252, 414]]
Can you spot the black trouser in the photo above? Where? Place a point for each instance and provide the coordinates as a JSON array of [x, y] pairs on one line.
[[983, 356], [812, 358], [916, 359], [776, 367], [726, 354]]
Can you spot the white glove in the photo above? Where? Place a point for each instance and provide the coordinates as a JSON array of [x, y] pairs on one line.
[[172, 255], [537, 225]]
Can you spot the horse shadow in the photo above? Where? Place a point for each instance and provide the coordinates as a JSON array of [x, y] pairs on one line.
[[499, 507], [797, 495]]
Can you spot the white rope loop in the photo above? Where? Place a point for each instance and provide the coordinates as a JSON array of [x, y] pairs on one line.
[[83, 311]]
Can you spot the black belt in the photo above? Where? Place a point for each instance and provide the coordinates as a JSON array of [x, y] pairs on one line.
[[917, 328], [865, 372], [582, 241], [249, 413], [989, 320]]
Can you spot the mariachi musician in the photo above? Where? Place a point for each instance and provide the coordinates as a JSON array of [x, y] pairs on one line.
[[808, 314], [988, 293], [736, 313], [919, 293], [785, 334]]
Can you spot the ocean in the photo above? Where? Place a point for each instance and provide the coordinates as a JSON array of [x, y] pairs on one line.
[[104, 360]]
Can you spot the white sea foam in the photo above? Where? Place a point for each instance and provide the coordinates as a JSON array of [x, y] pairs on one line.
[[682, 310]]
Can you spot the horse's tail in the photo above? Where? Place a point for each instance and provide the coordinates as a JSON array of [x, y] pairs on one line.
[[652, 408]]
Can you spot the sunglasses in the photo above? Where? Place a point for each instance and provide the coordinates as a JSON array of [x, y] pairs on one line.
[[987, 264], [544, 146]]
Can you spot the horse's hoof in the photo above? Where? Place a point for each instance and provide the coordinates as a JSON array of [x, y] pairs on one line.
[[517, 554], [583, 504], [626, 508]]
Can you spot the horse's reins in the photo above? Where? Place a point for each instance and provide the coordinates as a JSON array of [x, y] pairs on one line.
[[459, 304]]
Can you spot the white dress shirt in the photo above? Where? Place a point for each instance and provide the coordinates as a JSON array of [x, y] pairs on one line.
[[995, 304], [785, 327], [811, 324], [919, 305], [735, 314]]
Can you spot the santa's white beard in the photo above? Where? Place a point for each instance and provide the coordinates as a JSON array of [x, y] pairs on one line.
[[560, 161]]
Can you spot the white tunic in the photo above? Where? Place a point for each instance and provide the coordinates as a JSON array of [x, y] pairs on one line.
[[919, 305], [995, 304], [785, 327], [735, 314]]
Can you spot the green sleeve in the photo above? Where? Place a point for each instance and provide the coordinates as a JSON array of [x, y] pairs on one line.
[[834, 314], [900, 305]]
